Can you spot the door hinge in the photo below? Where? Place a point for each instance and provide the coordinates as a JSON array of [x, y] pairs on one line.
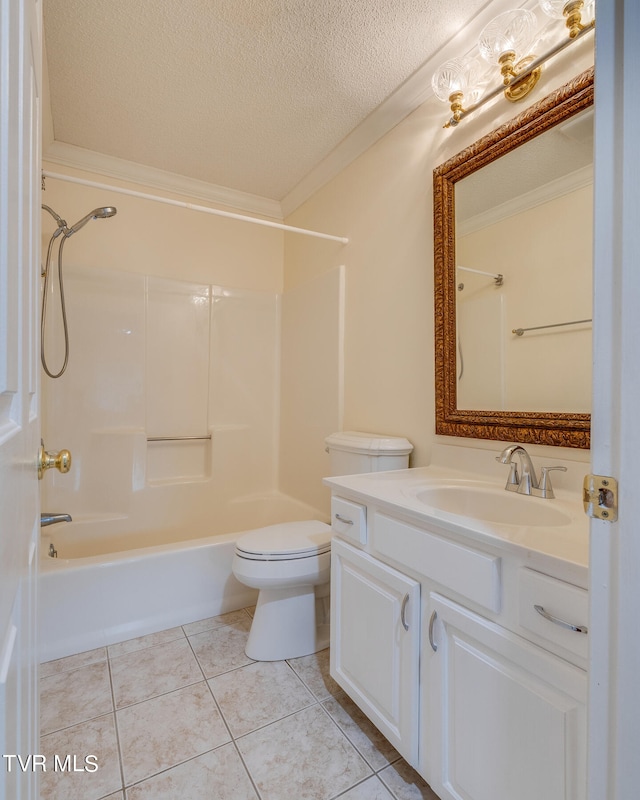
[[600, 497]]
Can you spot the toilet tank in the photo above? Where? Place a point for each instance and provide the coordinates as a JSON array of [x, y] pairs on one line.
[[351, 452]]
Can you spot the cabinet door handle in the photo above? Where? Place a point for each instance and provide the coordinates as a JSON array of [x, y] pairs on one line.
[[405, 600], [344, 519], [561, 622], [432, 622]]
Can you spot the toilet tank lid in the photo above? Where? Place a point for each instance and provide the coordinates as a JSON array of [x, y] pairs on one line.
[[374, 444]]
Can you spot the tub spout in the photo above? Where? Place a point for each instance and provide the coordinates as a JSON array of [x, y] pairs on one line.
[[47, 518]]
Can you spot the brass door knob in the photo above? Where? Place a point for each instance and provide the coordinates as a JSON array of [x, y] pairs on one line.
[[46, 460]]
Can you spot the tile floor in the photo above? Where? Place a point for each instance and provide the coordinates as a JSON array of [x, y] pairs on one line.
[[184, 715]]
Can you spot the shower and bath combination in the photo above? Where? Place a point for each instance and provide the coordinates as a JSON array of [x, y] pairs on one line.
[[66, 231]]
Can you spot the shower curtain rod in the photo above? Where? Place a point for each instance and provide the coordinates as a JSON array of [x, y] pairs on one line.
[[193, 207]]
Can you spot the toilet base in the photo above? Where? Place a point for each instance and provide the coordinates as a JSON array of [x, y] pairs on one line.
[[284, 625]]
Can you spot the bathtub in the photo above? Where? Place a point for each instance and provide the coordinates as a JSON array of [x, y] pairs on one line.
[[109, 583]]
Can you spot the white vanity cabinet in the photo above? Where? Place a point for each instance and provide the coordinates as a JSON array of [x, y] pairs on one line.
[[483, 694], [375, 642]]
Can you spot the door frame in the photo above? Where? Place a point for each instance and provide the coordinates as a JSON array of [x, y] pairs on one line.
[[614, 703]]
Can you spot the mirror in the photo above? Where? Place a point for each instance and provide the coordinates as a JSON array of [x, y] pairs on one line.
[[512, 236]]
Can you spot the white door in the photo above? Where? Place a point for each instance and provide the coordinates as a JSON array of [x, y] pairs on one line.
[[375, 642], [20, 75], [614, 700]]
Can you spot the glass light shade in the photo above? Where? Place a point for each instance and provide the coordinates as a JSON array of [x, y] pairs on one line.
[[512, 30], [553, 8], [457, 75], [589, 11]]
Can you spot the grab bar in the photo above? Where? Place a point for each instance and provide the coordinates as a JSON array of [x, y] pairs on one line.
[[175, 438], [520, 331]]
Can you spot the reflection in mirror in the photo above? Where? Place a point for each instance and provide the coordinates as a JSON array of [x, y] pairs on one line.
[[512, 225], [524, 341]]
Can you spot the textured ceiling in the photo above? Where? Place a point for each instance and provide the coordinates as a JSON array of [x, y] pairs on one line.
[[245, 94]]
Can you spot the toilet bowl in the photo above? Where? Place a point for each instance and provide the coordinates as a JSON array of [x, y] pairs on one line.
[[288, 563]]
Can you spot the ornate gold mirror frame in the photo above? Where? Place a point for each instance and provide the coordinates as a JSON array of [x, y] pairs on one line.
[[560, 429]]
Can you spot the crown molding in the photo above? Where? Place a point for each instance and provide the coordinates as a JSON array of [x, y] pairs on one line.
[[68, 155], [550, 191]]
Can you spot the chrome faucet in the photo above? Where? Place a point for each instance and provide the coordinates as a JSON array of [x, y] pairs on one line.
[[526, 482], [47, 518]]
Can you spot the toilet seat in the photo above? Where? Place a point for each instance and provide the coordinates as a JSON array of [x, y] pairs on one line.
[[285, 542]]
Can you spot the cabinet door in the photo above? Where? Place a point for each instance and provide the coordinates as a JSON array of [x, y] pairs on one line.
[[375, 630], [506, 719]]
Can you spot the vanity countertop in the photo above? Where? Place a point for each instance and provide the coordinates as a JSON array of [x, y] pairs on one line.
[[403, 492]]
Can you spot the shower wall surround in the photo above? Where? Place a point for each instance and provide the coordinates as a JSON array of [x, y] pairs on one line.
[[154, 357]]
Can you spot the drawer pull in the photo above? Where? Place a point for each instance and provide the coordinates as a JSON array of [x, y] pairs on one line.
[[402, 610], [344, 519], [432, 621], [560, 622]]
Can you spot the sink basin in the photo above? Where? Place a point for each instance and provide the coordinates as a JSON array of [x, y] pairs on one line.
[[493, 505]]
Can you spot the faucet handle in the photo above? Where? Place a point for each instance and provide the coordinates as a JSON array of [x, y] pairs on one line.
[[546, 489]]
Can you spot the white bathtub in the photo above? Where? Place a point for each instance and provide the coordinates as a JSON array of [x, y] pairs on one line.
[[108, 584]]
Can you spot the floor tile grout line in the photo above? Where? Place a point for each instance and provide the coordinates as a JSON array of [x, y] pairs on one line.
[[362, 755], [173, 766], [359, 783], [74, 724], [355, 747], [161, 694], [222, 716], [115, 724], [274, 721], [195, 655], [68, 669], [215, 627], [247, 770], [142, 649], [302, 681]]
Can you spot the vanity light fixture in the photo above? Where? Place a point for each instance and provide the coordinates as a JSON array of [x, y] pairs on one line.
[[502, 44], [454, 80], [572, 11], [502, 41]]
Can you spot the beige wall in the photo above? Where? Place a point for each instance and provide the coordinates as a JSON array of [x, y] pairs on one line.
[[383, 203], [167, 241], [311, 369]]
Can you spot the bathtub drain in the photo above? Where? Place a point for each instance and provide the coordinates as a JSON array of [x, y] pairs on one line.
[[53, 553]]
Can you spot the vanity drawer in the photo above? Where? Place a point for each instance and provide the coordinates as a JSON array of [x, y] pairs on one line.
[[461, 569], [349, 520], [566, 604]]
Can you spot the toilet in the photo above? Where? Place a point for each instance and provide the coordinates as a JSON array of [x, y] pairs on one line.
[[290, 563]]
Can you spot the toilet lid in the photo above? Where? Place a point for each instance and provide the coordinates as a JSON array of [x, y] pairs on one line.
[[285, 541]]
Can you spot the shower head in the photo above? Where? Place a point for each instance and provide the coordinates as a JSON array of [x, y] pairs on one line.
[[62, 224], [97, 213]]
